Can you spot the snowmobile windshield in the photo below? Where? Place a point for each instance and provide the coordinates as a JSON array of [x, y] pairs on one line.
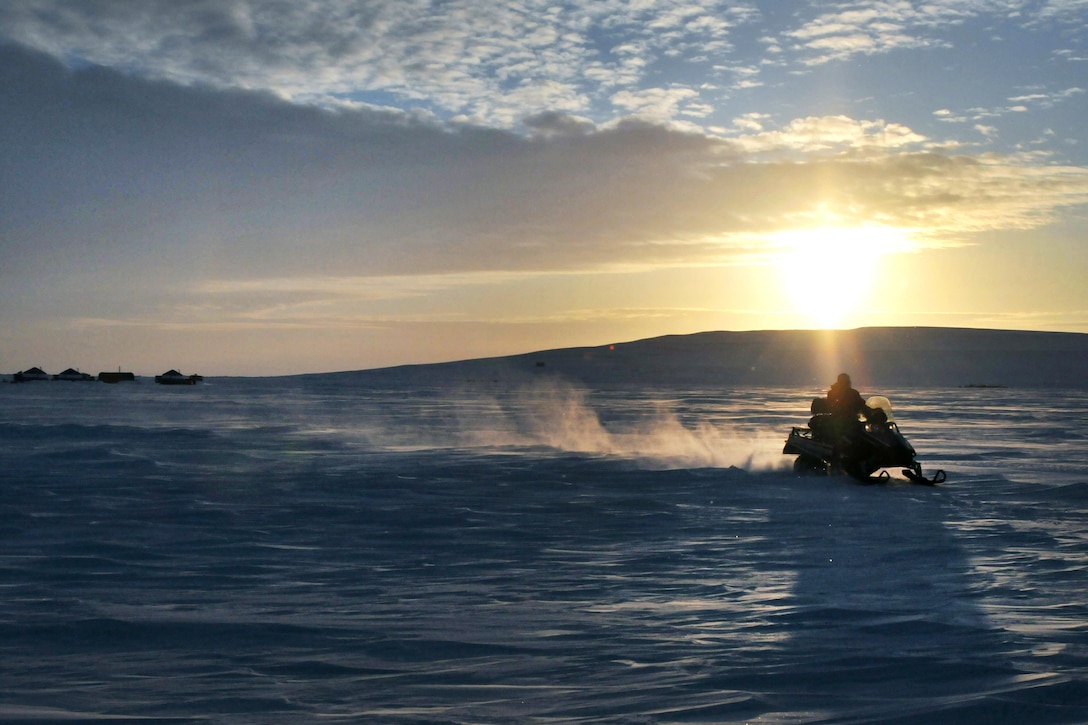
[[882, 403]]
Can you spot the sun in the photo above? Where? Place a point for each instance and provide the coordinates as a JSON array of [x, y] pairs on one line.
[[829, 273]]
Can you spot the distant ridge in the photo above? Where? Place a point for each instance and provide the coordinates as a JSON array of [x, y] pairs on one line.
[[876, 358]]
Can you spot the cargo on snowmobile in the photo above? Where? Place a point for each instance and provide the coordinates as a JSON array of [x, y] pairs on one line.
[[857, 446]]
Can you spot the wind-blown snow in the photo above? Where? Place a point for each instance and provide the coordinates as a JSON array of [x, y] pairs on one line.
[[282, 551]]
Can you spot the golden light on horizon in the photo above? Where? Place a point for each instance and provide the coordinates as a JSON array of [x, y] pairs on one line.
[[832, 273]]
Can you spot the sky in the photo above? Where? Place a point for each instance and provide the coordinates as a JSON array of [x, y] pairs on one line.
[[237, 187]]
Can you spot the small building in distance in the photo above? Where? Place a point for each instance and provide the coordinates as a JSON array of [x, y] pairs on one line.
[[117, 377], [30, 375], [173, 377], [73, 375]]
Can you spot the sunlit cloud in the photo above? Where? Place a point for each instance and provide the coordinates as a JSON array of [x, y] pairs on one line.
[[867, 28], [477, 61], [1063, 9], [392, 287], [657, 103], [1047, 99], [828, 133], [371, 194]]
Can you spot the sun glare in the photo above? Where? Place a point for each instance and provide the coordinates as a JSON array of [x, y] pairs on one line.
[[830, 273]]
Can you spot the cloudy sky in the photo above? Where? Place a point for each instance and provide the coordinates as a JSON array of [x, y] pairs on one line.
[[247, 187]]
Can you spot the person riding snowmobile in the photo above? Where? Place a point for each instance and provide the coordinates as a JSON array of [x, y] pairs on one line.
[[837, 415], [847, 434], [843, 400]]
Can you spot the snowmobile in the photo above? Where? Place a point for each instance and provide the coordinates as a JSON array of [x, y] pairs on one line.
[[857, 447]]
